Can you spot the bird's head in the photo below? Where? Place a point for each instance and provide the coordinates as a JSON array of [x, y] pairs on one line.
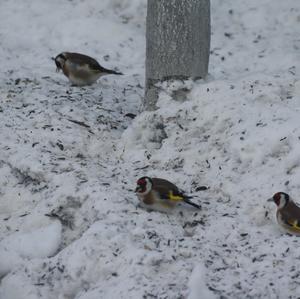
[[60, 60], [280, 198], [143, 185]]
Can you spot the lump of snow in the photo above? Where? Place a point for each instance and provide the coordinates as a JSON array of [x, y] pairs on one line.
[[40, 243], [16, 287]]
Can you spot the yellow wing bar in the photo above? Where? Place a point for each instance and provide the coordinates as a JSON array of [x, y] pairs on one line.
[[173, 197], [294, 224]]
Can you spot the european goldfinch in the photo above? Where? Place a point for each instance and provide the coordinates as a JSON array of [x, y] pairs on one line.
[[160, 194], [81, 69], [288, 213]]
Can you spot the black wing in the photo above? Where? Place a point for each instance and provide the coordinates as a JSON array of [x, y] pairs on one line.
[[93, 63]]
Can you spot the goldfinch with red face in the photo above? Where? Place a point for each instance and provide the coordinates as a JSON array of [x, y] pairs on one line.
[[160, 194], [81, 69], [288, 213]]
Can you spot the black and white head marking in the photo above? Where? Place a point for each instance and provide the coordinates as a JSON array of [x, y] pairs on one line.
[[281, 199], [60, 60], [144, 185]]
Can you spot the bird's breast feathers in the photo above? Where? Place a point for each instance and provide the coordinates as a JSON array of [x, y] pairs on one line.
[[155, 199], [80, 74]]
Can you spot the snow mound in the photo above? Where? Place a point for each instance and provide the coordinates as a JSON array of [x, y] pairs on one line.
[[19, 246]]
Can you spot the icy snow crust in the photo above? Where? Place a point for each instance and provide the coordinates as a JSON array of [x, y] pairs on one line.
[[72, 154]]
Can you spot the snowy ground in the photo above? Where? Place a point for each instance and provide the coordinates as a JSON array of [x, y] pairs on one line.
[[73, 154]]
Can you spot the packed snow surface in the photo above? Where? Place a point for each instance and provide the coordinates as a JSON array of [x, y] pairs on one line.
[[70, 223]]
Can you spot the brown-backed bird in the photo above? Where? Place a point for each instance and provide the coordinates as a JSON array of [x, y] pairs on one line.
[[288, 213], [81, 69], [161, 194]]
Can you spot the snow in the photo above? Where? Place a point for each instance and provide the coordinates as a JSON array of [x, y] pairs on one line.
[[197, 288], [71, 225], [40, 243]]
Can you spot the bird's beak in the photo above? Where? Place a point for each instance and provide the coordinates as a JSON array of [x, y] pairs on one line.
[[137, 189], [270, 199], [53, 58]]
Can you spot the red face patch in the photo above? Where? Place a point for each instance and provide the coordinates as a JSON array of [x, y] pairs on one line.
[[141, 185], [141, 182], [276, 198]]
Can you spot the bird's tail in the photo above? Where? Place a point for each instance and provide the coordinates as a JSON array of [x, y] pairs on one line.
[[111, 72], [187, 200]]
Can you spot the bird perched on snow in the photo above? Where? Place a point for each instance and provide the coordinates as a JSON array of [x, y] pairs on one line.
[[161, 194], [288, 213], [81, 69]]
